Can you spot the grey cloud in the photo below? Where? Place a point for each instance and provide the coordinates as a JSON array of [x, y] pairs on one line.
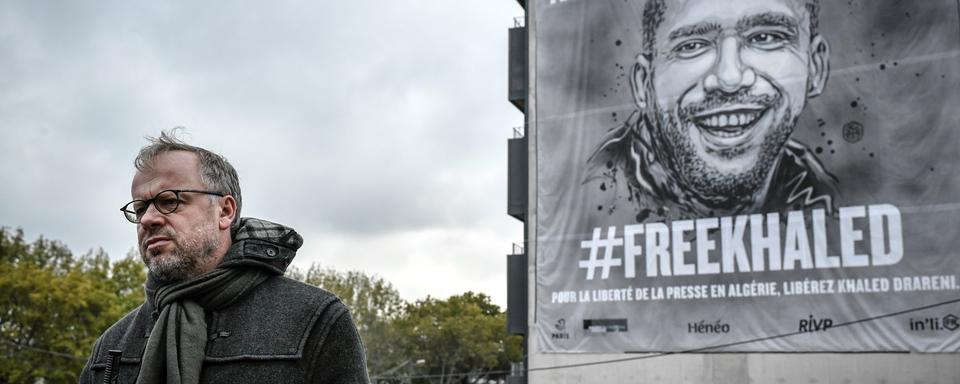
[[373, 117]]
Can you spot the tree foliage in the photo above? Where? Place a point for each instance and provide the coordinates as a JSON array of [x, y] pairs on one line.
[[53, 306], [457, 340]]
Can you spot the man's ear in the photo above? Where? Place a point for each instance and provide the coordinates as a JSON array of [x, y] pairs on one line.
[[228, 210], [639, 81], [819, 66]]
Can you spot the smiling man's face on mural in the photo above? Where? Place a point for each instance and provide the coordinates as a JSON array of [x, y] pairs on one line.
[[724, 82]]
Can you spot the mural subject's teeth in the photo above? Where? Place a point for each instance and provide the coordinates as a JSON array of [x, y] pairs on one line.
[[729, 120]]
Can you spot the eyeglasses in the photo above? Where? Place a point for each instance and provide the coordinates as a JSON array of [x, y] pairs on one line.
[[165, 202]]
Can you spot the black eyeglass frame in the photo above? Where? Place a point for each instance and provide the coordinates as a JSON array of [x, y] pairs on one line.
[[146, 203]]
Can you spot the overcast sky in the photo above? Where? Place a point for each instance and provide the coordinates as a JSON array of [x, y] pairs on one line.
[[377, 129]]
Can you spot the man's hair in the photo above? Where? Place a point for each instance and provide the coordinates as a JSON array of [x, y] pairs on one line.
[[653, 15], [216, 173]]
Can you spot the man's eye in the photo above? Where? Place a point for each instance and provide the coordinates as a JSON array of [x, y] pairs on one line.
[[167, 204], [691, 48], [767, 39]]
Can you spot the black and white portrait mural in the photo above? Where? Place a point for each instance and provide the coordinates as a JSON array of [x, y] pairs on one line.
[[714, 173], [717, 101]]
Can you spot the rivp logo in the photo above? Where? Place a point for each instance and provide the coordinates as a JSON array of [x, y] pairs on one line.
[[561, 333], [812, 324]]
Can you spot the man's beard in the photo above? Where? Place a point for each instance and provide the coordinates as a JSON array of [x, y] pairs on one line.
[[187, 257], [707, 184]]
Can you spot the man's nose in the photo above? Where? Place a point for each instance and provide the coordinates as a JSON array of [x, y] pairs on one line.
[[729, 74], [151, 217]]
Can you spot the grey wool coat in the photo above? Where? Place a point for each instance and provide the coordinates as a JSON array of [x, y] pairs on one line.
[[281, 331]]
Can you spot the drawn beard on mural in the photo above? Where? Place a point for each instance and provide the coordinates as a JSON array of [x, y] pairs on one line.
[[738, 147]]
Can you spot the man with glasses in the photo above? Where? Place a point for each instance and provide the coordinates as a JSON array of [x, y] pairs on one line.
[[218, 308]]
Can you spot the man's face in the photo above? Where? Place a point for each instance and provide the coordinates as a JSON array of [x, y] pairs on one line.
[[726, 83], [182, 244]]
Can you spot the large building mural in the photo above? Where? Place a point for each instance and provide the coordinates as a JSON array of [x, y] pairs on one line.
[[748, 175]]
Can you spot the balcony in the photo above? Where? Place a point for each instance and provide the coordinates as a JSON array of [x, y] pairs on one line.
[[517, 65], [517, 175]]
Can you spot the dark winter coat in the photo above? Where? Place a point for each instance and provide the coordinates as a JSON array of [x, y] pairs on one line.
[[281, 331]]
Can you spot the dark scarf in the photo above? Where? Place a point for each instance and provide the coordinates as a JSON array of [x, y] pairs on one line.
[[175, 350], [799, 180]]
